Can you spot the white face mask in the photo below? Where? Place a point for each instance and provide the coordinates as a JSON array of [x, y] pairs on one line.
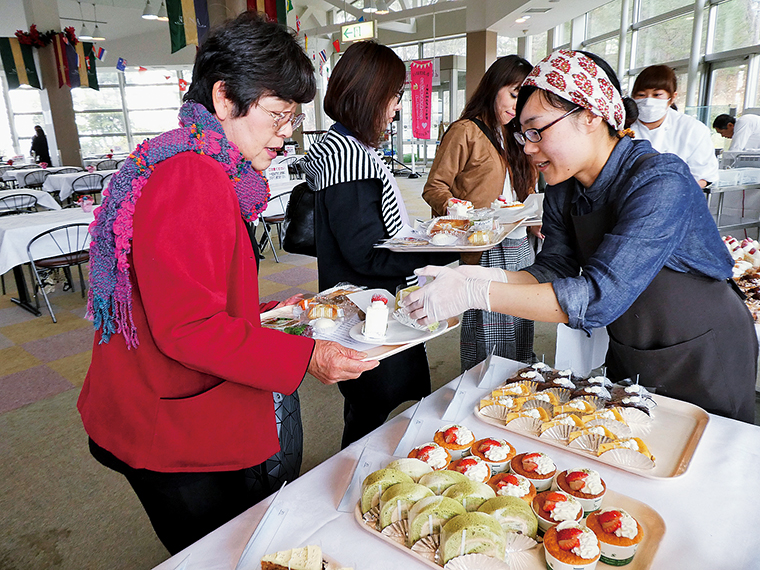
[[651, 110]]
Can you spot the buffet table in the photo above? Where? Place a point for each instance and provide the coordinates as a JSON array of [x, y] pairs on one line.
[[710, 511]]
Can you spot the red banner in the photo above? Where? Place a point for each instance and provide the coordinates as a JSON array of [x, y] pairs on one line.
[[421, 73]]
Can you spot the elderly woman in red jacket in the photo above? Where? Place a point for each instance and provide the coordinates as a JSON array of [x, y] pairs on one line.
[[179, 394]]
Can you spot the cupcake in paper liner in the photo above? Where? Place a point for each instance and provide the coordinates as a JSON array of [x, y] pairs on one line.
[[527, 420], [476, 562], [531, 403], [552, 507], [427, 547], [397, 531], [496, 453], [535, 466], [585, 485], [570, 546], [559, 432], [619, 535], [631, 452]]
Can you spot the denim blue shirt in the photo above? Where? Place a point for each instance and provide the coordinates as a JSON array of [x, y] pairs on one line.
[[662, 221]]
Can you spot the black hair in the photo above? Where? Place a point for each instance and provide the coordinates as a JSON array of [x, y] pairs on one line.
[[631, 110], [722, 121], [253, 57]]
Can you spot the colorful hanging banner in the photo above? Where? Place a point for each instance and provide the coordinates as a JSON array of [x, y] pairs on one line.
[[277, 10], [188, 22], [422, 90], [18, 63], [88, 76]]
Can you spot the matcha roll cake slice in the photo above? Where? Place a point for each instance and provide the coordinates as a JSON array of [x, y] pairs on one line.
[[470, 493], [513, 514], [398, 499], [430, 514], [472, 533], [439, 481], [376, 483]]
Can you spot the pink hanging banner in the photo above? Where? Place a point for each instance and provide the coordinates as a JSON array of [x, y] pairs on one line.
[[421, 73]]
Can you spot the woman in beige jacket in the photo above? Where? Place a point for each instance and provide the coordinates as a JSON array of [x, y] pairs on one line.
[[478, 160]]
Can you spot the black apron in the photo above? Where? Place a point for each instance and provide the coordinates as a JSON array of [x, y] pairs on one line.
[[690, 337]]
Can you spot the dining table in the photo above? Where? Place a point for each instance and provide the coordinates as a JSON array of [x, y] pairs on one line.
[[17, 231], [63, 183], [707, 508], [17, 176], [44, 199]]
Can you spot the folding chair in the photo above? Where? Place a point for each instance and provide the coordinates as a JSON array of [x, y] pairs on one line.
[[274, 215], [69, 246]]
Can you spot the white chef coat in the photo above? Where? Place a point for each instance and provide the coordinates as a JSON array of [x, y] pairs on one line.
[[685, 137], [745, 127]]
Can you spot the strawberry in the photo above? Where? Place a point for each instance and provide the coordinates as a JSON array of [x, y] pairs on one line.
[[378, 297], [423, 453], [529, 461], [487, 444], [576, 480], [508, 480], [551, 500], [467, 463], [567, 538], [450, 435], [610, 520]]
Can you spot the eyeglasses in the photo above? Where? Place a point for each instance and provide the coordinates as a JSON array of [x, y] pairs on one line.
[[534, 135], [282, 119]]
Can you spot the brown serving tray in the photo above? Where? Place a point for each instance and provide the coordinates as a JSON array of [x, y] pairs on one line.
[[671, 437], [533, 559]]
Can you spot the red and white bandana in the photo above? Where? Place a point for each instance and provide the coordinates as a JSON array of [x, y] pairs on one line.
[[577, 78]]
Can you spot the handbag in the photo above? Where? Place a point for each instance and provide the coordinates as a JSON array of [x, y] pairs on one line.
[[298, 226]]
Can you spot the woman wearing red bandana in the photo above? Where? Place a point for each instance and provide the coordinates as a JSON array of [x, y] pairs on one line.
[[630, 245], [179, 397]]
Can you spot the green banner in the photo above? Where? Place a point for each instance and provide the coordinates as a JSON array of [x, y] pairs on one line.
[[18, 63], [176, 24]]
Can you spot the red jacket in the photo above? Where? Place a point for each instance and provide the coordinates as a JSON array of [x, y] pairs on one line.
[[196, 394]]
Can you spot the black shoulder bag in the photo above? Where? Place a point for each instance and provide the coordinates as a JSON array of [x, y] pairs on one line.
[[298, 227]]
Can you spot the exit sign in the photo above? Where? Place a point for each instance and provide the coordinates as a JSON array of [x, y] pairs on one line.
[[357, 31]]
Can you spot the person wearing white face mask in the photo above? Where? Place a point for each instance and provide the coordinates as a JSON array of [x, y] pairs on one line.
[[668, 130]]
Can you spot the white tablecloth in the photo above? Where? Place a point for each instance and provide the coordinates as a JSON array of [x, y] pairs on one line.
[[17, 231], [61, 183], [43, 198], [19, 175], [94, 161], [711, 512]]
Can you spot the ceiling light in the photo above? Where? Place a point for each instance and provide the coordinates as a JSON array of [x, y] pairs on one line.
[[85, 33], [368, 7], [148, 13], [521, 20], [162, 16], [382, 7], [97, 35]]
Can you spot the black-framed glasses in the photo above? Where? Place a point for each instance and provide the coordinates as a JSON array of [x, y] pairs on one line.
[[400, 94], [534, 135], [285, 117]]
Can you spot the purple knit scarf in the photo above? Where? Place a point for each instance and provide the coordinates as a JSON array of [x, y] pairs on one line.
[[110, 296]]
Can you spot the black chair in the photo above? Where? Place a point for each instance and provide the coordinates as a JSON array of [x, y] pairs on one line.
[[6, 183], [120, 163], [69, 246], [107, 179], [35, 179], [68, 170], [87, 185], [274, 215], [18, 204], [109, 164]]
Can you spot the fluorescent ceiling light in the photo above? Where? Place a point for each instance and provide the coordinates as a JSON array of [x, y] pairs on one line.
[[85, 33], [97, 35], [382, 7], [148, 13]]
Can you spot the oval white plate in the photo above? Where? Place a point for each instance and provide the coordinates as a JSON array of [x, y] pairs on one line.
[[395, 335]]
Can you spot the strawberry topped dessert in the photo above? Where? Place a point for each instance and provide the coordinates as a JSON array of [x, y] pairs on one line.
[[552, 507], [495, 452], [536, 467], [570, 545], [456, 439], [472, 467], [619, 535], [585, 485], [432, 454], [512, 485]]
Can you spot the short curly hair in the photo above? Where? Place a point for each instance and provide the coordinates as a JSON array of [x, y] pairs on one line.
[[253, 57]]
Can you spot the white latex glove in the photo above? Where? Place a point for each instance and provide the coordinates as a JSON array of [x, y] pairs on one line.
[[479, 272], [451, 294]]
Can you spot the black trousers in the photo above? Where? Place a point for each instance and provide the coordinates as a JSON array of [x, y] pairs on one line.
[[371, 397], [184, 507]]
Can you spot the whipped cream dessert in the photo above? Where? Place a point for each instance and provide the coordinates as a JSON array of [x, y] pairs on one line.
[[457, 434], [513, 485], [592, 482], [376, 322], [628, 527], [566, 510], [473, 468], [432, 454], [588, 544]]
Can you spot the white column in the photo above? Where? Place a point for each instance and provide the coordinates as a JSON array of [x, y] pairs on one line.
[[692, 85]]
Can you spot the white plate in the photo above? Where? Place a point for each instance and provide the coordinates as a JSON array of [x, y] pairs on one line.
[[395, 335]]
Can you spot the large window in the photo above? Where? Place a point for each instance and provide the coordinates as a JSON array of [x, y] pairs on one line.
[[604, 19], [607, 49], [449, 46], [737, 25], [407, 53], [666, 41], [27, 112], [506, 46], [100, 116], [652, 8], [538, 49]]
